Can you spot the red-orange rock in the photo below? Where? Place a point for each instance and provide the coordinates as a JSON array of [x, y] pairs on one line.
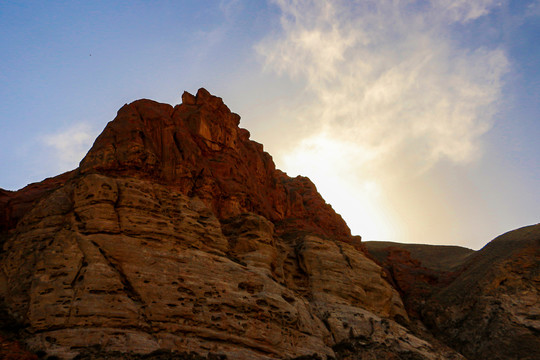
[[198, 148], [14, 204], [177, 233]]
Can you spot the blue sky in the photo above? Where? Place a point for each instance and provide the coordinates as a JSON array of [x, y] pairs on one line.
[[418, 120]]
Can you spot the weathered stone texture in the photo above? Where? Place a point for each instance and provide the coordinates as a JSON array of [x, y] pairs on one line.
[[132, 265], [177, 233]]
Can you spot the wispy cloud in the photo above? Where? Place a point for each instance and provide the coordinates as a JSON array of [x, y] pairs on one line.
[[460, 10], [69, 146], [386, 75], [385, 78], [533, 9]]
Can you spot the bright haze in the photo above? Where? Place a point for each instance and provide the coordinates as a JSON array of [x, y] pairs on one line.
[[419, 121]]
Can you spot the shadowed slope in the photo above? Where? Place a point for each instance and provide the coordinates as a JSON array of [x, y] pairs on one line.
[[492, 309], [436, 257]]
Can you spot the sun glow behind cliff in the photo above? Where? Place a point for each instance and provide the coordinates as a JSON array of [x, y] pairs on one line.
[[328, 163], [387, 96], [385, 105]]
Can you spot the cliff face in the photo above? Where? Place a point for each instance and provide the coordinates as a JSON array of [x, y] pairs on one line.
[[198, 148], [418, 271], [177, 233]]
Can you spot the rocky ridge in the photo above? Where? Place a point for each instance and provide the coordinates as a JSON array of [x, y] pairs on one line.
[[177, 234], [484, 304], [492, 309]]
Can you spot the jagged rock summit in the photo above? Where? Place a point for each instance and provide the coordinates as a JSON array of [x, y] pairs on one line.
[[177, 232], [178, 235], [198, 148]]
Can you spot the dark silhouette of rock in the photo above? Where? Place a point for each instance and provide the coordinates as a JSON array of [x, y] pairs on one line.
[[484, 304], [14, 204], [12, 350], [435, 257]]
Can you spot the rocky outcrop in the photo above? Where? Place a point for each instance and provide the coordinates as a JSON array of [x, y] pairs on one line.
[[418, 271], [131, 265], [178, 234], [198, 148], [434, 257], [484, 304], [177, 238], [14, 204]]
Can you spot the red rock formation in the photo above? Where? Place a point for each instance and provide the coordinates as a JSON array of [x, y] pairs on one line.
[[415, 282], [198, 148], [177, 234], [12, 350], [483, 304], [14, 204]]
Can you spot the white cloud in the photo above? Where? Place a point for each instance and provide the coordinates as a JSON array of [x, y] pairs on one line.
[[386, 81], [388, 78], [69, 146], [463, 10]]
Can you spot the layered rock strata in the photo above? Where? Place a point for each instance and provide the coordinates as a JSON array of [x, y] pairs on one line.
[[177, 233], [178, 238], [198, 148]]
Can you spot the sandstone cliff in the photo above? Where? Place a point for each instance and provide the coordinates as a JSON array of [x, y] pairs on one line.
[[178, 238], [178, 233]]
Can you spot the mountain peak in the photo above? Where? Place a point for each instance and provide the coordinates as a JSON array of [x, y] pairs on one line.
[[198, 148], [178, 234]]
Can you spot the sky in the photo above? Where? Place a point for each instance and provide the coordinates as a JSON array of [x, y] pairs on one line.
[[417, 120]]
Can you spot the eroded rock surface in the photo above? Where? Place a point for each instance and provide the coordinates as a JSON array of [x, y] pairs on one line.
[[198, 148], [177, 233], [131, 265], [177, 237], [14, 204]]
